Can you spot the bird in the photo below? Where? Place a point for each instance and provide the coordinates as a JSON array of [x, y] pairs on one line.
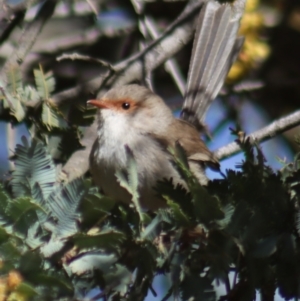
[[134, 117]]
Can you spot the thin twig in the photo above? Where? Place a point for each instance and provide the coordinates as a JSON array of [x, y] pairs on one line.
[[277, 127], [178, 34], [93, 7], [138, 6], [76, 56], [227, 285], [10, 17], [146, 78], [29, 36], [171, 65], [7, 12]]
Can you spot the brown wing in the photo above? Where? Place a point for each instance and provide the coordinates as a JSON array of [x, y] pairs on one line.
[[186, 134]]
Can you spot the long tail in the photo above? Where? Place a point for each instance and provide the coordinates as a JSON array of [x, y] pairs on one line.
[[215, 48]]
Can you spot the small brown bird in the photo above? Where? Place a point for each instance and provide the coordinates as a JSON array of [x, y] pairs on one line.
[[136, 117]]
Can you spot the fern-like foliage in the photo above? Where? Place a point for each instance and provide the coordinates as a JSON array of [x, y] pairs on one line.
[[44, 82], [32, 165], [16, 95], [39, 217], [64, 240]]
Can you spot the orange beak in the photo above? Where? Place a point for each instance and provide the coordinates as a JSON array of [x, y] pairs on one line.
[[101, 104]]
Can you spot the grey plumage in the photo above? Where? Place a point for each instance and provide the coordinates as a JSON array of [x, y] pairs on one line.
[[215, 48]]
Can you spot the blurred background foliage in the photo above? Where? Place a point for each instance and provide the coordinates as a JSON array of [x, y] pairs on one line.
[[61, 241]]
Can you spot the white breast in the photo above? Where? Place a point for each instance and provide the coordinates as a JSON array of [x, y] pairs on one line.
[[152, 161]]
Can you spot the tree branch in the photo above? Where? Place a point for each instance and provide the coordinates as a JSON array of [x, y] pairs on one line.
[[177, 35], [10, 17], [171, 65], [277, 127], [80, 57]]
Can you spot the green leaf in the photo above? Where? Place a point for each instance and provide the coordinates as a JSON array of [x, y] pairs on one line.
[[55, 282], [129, 180], [95, 207], [118, 277], [34, 238], [109, 239], [19, 111], [90, 262], [16, 94], [63, 204], [31, 262], [4, 236], [7, 100], [20, 206], [150, 231], [144, 260], [14, 80], [206, 207], [9, 251], [28, 94], [4, 201], [178, 216], [82, 115], [32, 165], [53, 246], [228, 212], [45, 83], [26, 290], [52, 117], [13, 97], [98, 201], [178, 194], [181, 163], [22, 211], [38, 198]]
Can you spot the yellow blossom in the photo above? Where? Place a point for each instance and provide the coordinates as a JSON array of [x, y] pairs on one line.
[[254, 49], [14, 278], [250, 23], [251, 5]]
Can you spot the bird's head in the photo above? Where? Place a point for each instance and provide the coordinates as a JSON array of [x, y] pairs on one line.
[[134, 105]]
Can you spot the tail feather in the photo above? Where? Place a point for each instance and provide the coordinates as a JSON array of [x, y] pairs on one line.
[[201, 51], [215, 48], [215, 45], [219, 81]]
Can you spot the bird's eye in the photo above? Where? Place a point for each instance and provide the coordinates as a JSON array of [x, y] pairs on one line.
[[125, 105]]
